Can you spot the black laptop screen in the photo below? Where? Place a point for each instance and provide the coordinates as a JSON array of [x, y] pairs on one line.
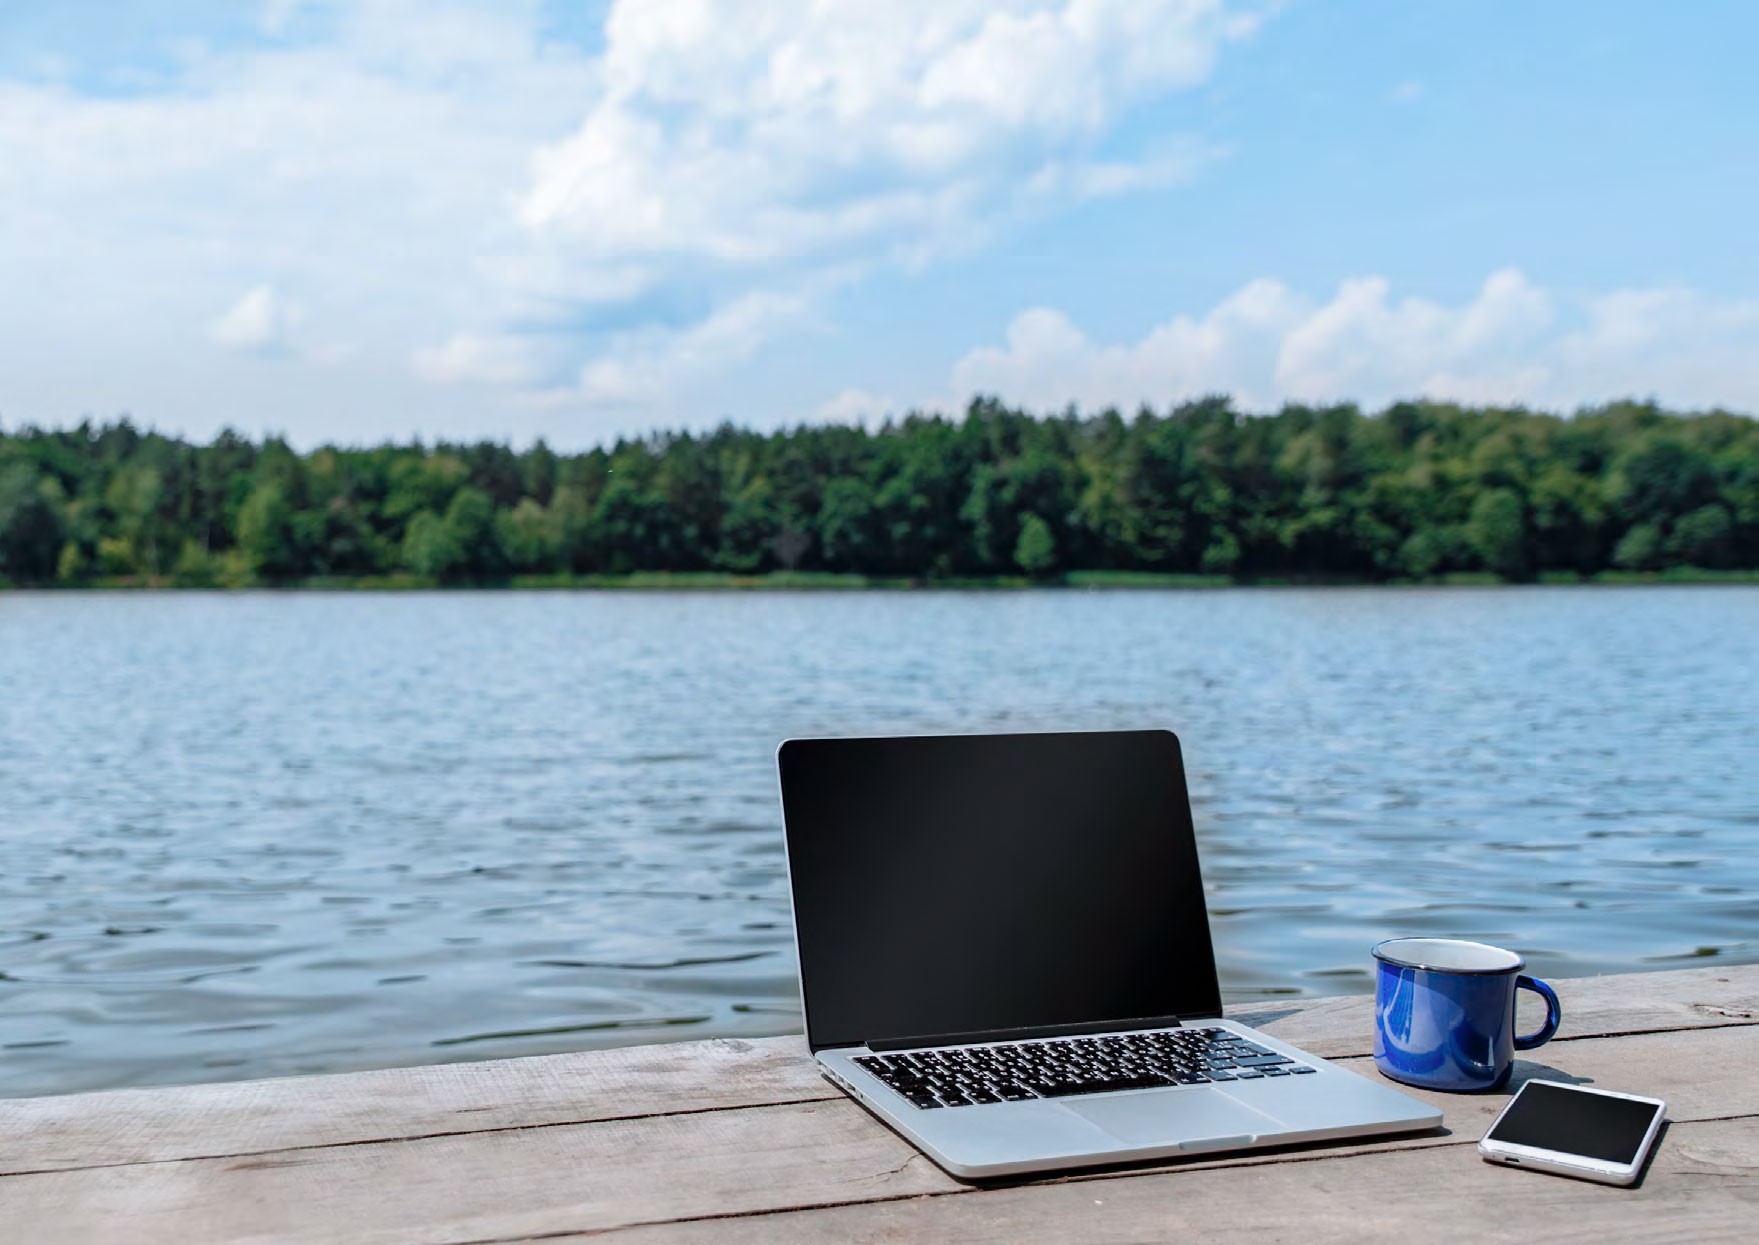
[[978, 883]]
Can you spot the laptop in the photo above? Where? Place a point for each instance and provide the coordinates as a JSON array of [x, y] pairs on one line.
[[1005, 956]]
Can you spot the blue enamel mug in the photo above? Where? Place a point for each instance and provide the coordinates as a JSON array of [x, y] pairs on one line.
[[1444, 1012]]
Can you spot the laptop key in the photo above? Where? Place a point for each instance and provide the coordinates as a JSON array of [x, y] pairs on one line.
[[1061, 1088], [1146, 1080], [1299, 1068], [966, 1076]]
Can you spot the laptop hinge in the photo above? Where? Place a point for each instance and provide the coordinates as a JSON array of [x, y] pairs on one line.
[[1019, 1035]]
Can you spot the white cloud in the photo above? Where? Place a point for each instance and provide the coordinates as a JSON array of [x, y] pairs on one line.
[[471, 358], [262, 322], [752, 133], [1361, 344], [647, 371], [495, 233], [771, 148], [1681, 345], [276, 15], [360, 168], [1048, 361], [856, 406], [486, 224], [1513, 341]]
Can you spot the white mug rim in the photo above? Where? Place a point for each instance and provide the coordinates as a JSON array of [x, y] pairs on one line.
[[1381, 952]]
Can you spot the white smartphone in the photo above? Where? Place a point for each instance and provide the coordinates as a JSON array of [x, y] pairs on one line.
[[1593, 1134]]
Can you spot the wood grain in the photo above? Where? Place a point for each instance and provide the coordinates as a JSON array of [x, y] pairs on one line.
[[714, 1164], [1702, 1186], [485, 1185], [251, 1117]]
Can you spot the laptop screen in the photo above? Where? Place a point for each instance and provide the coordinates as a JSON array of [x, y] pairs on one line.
[[969, 884]]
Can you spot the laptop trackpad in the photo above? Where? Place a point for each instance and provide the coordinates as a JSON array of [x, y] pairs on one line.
[[1166, 1115]]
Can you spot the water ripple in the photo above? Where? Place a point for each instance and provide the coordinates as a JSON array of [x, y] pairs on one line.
[[255, 834]]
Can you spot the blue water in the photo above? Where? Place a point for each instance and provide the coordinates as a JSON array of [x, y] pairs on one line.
[[254, 834]]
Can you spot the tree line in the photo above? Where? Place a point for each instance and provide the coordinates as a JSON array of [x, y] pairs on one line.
[[1418, 490]]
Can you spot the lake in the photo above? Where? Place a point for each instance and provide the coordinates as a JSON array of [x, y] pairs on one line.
[[254, 834]]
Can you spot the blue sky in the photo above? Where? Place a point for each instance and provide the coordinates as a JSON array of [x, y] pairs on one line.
[[349, 221]]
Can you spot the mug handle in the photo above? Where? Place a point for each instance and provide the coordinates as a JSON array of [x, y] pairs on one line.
[[1554, 1013]]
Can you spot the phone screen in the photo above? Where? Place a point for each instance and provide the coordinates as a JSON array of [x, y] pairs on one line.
[[1596, 1126]]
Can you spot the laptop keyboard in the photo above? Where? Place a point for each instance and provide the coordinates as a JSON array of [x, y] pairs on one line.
[[963, 1076]]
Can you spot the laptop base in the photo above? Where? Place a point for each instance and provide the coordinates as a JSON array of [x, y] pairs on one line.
[[983, 1142]]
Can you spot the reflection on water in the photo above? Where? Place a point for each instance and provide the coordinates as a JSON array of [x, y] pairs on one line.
[[255, 834]]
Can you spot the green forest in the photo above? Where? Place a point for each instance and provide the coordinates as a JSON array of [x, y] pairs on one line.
[[1418, 491]]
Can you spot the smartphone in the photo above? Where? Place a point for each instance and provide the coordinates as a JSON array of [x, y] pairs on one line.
[[1593, 1134]]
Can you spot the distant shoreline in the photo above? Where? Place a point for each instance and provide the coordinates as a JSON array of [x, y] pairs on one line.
[[811, 581], [997, 498]]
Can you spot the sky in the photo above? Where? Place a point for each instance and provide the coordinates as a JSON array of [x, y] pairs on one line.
[[349, 221]]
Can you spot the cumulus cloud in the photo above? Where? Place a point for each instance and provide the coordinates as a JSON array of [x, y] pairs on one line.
[[1048, 361], [472, 358], [779, 128], [856, 406], [262, 322], [1514, 341], [332, 155], [487, 227], [643, 370], [479, 212], [1362, 343], [778, 148], [1685, 346]]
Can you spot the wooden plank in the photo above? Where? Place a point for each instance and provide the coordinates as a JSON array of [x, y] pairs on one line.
[[653, 1169], [250, 1117], [1702, 1186], [484, 1185]]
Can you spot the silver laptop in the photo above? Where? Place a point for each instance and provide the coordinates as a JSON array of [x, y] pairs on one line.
[[1005, 955]]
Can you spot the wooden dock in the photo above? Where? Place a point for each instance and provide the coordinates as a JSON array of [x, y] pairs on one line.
[[743, 1141]]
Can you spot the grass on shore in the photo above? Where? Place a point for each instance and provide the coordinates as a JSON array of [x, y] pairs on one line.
[[822, 580]]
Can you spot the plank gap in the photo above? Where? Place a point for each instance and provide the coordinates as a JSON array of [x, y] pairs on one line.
[[455, 1132], [829, 1095], [1246, 1158]]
